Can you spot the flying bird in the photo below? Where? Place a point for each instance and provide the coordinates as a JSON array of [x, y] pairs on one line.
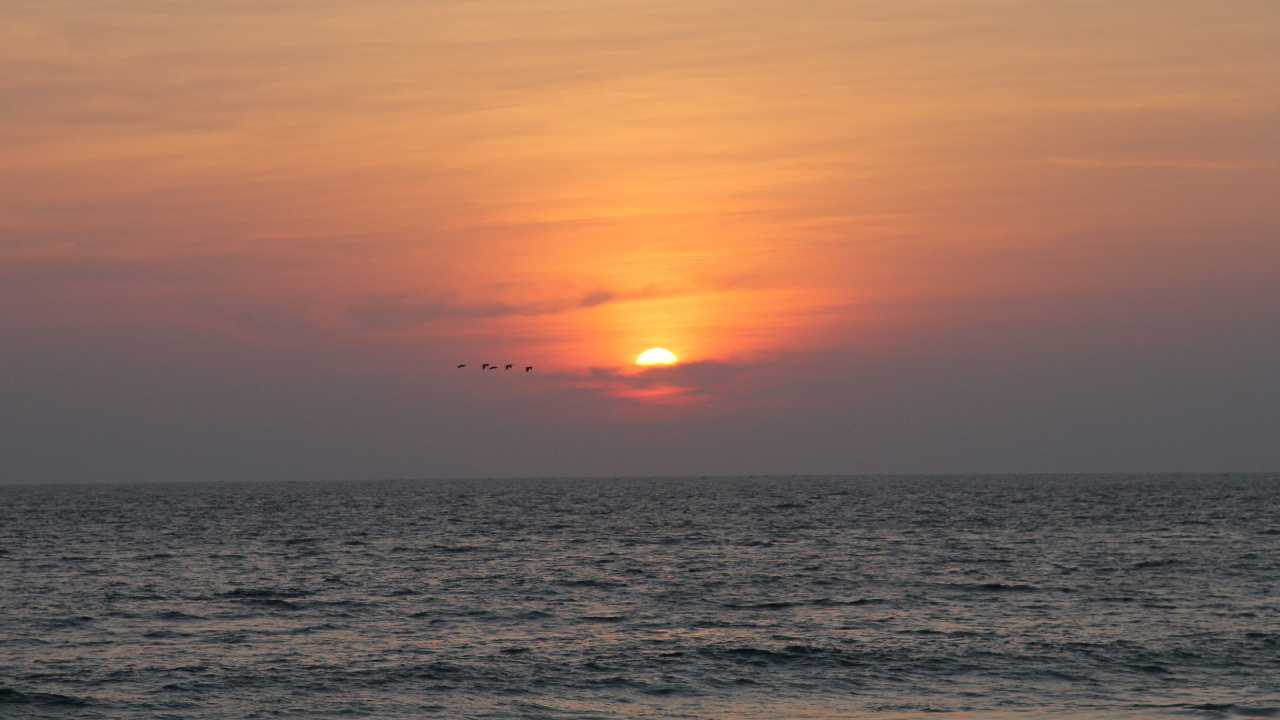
[[484, 366], [508, 367], [528, 368], [462, 365]]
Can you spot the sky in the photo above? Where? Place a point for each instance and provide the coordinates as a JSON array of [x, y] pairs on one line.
[[253, 240]]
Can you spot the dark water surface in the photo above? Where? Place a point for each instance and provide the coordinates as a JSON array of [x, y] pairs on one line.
[[1082, 596]]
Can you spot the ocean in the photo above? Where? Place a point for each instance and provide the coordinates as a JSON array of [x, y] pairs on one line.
[[1083, 596]]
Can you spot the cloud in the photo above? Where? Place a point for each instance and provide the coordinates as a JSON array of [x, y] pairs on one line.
[[711, 383], [280, 320], [38, 271], [398, 313], [1144, 163], [704, 374]]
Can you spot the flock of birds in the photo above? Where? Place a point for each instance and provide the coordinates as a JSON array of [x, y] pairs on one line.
[[487, 366]]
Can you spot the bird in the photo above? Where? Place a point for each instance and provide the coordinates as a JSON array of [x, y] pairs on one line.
[[528, 368], [508, 367], [484, 366], [462, 365], [493, 367]]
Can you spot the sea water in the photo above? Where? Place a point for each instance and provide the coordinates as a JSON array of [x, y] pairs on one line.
[[866, 597]]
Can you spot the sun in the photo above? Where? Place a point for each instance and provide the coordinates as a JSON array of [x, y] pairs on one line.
[[656, 356]]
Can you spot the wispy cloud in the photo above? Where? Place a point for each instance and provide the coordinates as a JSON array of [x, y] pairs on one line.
[[400, 313], [31, 269], [1160, 164]]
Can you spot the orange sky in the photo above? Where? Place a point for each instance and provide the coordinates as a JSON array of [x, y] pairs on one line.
[[569, 182]]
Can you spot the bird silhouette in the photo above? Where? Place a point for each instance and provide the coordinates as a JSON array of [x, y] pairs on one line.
[[491, 366]]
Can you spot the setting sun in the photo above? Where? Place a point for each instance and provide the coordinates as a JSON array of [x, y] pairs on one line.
[[656, 356]]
